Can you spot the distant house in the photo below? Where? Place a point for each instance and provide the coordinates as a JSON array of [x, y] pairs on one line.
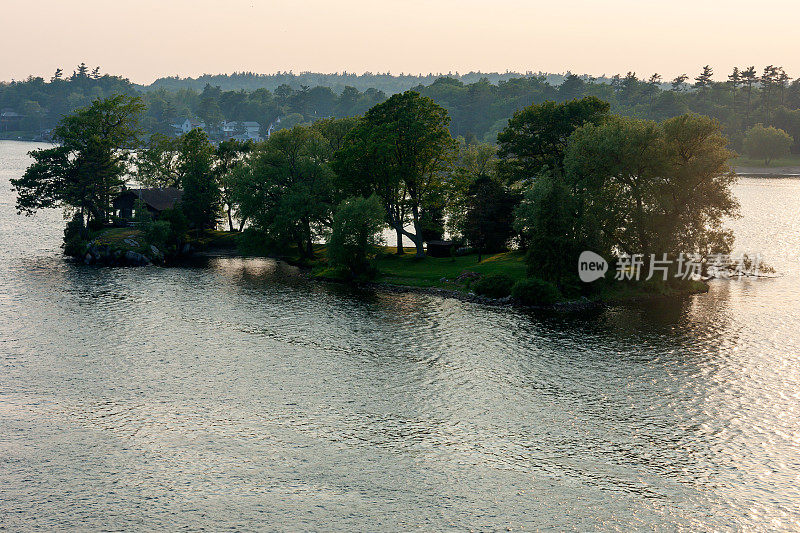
[[10, 120], [156, 201], [187, 125], [241, 131]]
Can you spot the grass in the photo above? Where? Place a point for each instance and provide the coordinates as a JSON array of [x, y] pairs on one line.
[[411, 271], [213, 238], [117, 236], [792, 160]]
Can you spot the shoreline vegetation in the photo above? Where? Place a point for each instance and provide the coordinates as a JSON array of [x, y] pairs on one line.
[[446, 277], [504, 223]]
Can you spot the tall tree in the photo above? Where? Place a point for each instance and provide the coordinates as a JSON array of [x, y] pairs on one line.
[[749, 78], [735, 79], [229, 154], [679, 83], [284, 188], [704, 81], [201, 196], [409, 134], [88, 166], [536, 137]]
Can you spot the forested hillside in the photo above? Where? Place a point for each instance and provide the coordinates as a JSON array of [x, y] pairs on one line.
[[479, 105]]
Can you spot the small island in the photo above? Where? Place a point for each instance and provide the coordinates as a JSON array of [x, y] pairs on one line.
[[501, 222]]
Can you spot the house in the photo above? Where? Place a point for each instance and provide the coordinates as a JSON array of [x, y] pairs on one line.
[[10, 120], [241, 131], [156, 201], [187, 125]]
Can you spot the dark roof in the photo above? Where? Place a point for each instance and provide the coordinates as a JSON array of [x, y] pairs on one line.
[[158, 199]]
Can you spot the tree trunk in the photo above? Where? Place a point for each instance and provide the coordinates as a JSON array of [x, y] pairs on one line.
[[230, 219], [418, 232], [400, 250]]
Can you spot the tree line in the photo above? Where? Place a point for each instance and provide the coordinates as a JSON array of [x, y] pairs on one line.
[[478, 109], [563, 177]]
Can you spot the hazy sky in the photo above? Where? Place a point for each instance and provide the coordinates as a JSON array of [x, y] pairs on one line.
[[145, 39]]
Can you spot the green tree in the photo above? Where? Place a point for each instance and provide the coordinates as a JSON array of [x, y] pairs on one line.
[[654, 188], [229, 154], [536, 137], [157, 162], [89, 165], [356, 233], [400, 151], [767, 143], [488, 224], [284, 188], [201, 195]]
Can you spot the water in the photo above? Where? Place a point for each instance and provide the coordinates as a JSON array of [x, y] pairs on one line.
[[237, 395]]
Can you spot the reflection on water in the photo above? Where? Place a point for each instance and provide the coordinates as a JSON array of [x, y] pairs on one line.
[[236, 394]]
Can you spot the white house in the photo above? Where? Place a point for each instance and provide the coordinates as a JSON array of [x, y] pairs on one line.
[[244, 131], [188, 125]]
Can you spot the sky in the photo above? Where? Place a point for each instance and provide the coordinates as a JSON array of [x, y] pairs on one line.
[[146, 39]]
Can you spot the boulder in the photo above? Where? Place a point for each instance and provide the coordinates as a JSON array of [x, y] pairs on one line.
[[136, 259]]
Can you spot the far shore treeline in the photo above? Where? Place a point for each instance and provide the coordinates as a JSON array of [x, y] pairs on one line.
[[479, 105], [561, 178]]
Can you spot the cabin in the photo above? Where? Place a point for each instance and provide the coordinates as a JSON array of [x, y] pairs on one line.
[[440, 248], [156, 201]]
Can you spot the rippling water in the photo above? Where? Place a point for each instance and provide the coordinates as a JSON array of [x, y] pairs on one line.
[[237, 395]]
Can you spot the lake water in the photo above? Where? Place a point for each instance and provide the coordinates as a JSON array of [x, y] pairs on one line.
[[236, 395]]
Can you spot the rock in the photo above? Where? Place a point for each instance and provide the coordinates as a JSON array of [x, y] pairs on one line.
[[131, 242], [135, 259], [88, 258], [468, 276]]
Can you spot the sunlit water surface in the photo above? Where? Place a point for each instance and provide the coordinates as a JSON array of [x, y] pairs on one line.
[[238, 395]]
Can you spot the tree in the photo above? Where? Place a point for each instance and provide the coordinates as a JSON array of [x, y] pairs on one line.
[[537, 136], [654, 83], [704, 81], [356, 233], [550, 220], [749, 78], [654, 188], [229, 155], [407, 134], [768, 80], [475, 161], [284, 187], [679, 83], [89, 165], [735, 79], [767, 143], [488, 224], [157, 162], [201, 196]]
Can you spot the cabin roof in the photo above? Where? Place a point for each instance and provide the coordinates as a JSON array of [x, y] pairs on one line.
[[158, 199]]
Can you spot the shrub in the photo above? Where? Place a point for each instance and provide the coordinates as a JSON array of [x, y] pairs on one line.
[[158, 234], [535, 291], [494, 286], [178, 224]]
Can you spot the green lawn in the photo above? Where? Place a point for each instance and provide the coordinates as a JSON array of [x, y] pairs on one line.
[[428, 271]]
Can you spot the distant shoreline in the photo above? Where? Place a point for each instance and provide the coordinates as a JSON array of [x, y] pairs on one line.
[[768, 172]]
